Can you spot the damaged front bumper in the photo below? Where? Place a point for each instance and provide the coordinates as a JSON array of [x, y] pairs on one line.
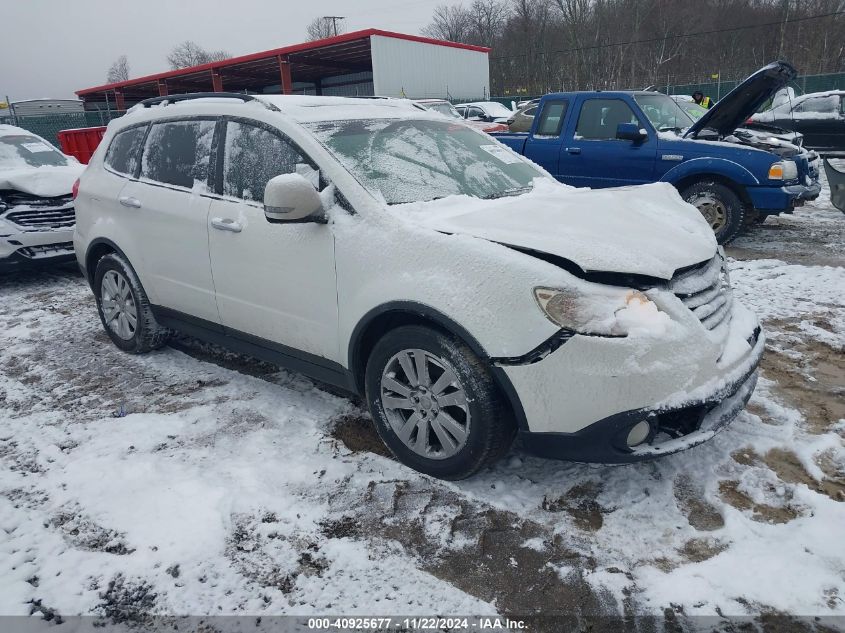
[[671, 428]]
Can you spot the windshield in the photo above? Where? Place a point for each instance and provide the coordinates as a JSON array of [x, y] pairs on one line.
[[663, 112], [19, 151], [419, 160], [444, 108], [693, 110]]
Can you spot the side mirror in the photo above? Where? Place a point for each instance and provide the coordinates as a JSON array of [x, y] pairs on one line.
[[630, 132], [290, 198], [475, 118]]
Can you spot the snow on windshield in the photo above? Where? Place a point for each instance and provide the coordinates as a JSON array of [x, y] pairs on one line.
[[663, 112], [422, 160], [21, 151]]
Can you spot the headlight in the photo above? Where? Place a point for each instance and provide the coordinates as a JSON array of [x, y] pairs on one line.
[[607, 311], [783, 170]]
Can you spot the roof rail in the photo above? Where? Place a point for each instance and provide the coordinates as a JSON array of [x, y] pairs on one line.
[[146, 103]]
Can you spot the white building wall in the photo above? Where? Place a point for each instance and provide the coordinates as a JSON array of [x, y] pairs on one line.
[[417, 70]]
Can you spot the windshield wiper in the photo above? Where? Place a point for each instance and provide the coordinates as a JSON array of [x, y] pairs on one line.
[[507, 192]]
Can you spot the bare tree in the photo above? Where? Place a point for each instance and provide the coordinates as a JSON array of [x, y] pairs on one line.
[[190, 53], [119, 70], [323, 27], [449, 23]]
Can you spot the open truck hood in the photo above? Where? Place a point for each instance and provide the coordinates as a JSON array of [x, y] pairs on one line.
[[644, 230], [732, 110], [41, 181]]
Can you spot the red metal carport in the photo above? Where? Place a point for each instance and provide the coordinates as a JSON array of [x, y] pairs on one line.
[[339, 65]]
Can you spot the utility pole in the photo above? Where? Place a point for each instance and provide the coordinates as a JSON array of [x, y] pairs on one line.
[[334, 19]]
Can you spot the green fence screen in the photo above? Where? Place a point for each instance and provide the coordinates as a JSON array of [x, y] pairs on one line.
[[48, 126]]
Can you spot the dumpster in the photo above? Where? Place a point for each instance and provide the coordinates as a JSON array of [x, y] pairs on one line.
[[81, 142]]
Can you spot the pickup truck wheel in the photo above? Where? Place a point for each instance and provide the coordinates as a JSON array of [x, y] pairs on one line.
[[720, 206], [435, 404], [124, 307]]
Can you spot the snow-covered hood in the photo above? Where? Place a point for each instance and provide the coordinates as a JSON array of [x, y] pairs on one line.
[[645, 230], [41, 181]]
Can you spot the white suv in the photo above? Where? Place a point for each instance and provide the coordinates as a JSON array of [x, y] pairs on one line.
[[36, 209], [388, 251]]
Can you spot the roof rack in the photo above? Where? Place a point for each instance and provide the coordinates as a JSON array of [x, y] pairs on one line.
[[146, 103]]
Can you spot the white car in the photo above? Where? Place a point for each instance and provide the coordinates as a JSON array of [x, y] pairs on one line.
[[36, 209], [387, 251], [446, 108], [489, 111]]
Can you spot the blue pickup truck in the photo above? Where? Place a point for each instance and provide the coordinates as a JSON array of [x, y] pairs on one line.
[[611, 139]]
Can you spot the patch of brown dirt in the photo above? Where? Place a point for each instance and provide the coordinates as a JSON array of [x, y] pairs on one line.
[[822, 400], [519, 565], [701, 515], [580, 503], [788, 467], [357, 433], [697, 550], [761, 512]]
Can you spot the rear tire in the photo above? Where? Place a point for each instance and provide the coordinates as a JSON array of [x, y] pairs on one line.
[[434, 403], [719, 205], [124, 308]]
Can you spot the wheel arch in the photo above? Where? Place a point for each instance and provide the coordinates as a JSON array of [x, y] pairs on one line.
[[734, 186], [380, 320], [98, 248]]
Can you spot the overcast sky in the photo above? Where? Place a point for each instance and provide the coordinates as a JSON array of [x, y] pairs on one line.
[[51, 48]]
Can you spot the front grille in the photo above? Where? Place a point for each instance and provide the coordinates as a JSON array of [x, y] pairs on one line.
[[38, 212], [46, 250], [706, 290]]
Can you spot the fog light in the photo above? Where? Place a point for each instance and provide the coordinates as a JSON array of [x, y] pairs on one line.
[[638, 433]]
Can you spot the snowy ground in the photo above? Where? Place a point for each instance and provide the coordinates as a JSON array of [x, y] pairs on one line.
[[193, 481]]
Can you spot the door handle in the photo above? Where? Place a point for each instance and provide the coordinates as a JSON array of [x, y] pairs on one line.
[[129, 201], [226, 224], [573, 150]]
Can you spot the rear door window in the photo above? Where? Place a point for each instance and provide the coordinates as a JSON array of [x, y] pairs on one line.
[[125, 149], [177, 153], [600, 117], [551, 118], [252, 156]]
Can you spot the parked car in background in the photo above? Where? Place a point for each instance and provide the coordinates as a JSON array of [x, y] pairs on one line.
[[522, 119], [610, 139], [36, 206], [819, 116], [273, 197], [489, 111], [445, 107]]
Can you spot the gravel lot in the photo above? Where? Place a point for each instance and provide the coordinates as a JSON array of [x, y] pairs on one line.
[[195, 481]]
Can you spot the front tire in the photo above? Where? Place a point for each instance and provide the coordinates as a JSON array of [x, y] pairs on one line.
[[124, 308], [435, 404], [719, 205]]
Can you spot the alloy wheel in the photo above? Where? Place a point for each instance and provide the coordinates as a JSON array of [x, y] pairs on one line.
[[119, 310], [425, 403], [713, 210]]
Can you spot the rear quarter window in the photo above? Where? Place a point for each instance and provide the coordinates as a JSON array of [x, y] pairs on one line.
[[178, 152], [125, 150]]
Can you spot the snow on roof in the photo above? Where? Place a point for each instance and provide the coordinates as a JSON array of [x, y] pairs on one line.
[[310, 109]]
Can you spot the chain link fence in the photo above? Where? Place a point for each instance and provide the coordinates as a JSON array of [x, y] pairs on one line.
[[48, 126], [716, 89]]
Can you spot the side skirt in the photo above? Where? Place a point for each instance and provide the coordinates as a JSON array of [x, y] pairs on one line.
[[313, 366]]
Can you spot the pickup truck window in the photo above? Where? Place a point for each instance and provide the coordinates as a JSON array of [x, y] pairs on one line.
[[551, 118], [419, 160], [665, 113], [600, 117]]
